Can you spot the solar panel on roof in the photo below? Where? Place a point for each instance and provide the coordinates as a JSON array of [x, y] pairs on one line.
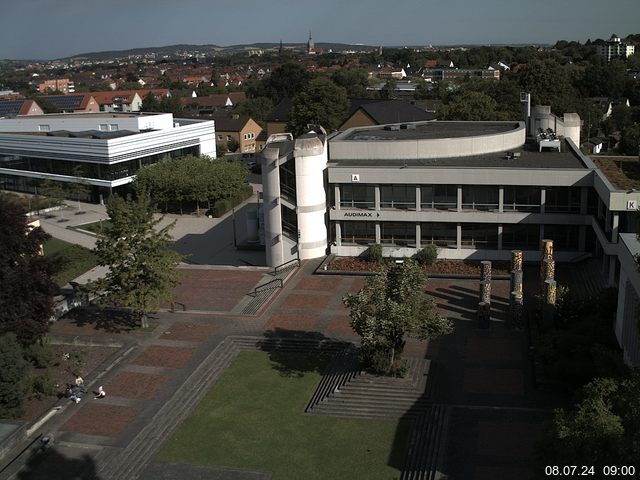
[[67, 102], [11, 107]]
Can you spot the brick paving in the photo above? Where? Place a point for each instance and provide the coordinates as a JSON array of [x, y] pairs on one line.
[[481, 368], [167, 357], [142, 386], [99, 418], [216, 290], [189, 331]]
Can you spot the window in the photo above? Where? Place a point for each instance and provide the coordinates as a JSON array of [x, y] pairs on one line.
[[288, 180], [480, 236], [562, 200], [229, 138], [219, 137], [358, 233], [439, 197], [565, 237], [44, 128], [398, 233], [479, 197], [114, 127], [357, 196], [103, 127], [289, 222], [441, 234], [520, 236], [521, 199], [398, 196]]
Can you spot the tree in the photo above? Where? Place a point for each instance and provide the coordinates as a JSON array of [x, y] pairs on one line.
[[469, 105], [602, 429], [14, 384], [26, 296], [393, 305], [53, 190], [80, 188], [256, 108], [284, 82], [354, 80], [630, 141], [150, 103], [321, 103], [141, 267]]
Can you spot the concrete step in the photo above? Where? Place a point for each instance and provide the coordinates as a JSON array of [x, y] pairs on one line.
[[426, 445]]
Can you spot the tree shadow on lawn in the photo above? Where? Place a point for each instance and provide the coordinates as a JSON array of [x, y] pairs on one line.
[[290, 360], [110, 320]]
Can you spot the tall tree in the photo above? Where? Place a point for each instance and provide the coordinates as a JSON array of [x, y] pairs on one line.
[[26, 296], [14, 384], [321, 103], [469, 105], [142, 269], [393, 305], [256, 108], [284, 82]]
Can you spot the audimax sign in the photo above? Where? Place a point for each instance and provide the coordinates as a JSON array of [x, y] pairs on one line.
[[361, 214]]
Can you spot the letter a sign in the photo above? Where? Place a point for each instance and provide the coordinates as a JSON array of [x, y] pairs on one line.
[[355, 177]]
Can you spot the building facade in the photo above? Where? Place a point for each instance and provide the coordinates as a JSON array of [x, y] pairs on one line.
[[104, 151], [615, 48]]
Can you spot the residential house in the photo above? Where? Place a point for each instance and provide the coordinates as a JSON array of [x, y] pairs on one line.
[[209, 104], [365, 112], [81, 102], [239, 128], [615, 48], [14, 108], [63, 85]]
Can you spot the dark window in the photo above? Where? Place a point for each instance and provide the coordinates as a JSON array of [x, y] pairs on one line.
[[521, 199], [289, 222], [442, 234], [288, 180], [398, 196], [439, 197], [520, 236], [562, 200], [398, 233], [357, 196], [359, 233], [480, 236], [476, 197], [565, 237]]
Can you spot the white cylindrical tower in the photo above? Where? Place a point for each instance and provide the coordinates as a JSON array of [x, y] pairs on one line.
[[310, 154], [271, 206]]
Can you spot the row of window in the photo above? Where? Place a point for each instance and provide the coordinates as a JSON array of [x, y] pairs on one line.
[[474, 197], [474, 235]]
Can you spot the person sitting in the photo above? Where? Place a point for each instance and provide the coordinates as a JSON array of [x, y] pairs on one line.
[[100, 393], [80, 383]]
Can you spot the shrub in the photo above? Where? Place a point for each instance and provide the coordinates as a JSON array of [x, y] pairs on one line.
[[39, 353], [14, 381], [42, 386], [427, 255], [374, 254]]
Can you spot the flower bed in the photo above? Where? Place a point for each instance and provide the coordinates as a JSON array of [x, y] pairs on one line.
[[440, 267]]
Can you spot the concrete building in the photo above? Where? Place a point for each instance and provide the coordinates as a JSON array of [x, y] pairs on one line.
[[63, 85], [615, 48], [108, 149], [626, 327]]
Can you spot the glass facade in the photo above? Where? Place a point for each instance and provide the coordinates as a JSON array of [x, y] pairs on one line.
[[289, 222], [562, 200], [475, 197], [521, 199], [398, 233], [480, 236], [441, 234], [520, 236], [439, 197], [288, 180], [358, 233], [398, 196], [565, 237], [96, 171], [358, 196]]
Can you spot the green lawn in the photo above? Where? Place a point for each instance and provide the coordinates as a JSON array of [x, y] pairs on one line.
[[94, 227], [253, 418], [77, 259]]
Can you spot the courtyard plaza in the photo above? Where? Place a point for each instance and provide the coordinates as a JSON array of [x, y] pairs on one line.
[[482, 378]]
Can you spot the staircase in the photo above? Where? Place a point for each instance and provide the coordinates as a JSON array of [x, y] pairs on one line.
[[426, 445]]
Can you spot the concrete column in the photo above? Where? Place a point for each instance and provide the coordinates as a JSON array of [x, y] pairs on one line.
[[541, 233], [376, 197], [607, 221], [620, 314], [582, 238], [418, 198], [500, 199], [336, 194], [338, 230], [543, 199], [418, 235], [378, 233], [459, 206], [584, 195], [459, 236], [615, 223], [500, 237]]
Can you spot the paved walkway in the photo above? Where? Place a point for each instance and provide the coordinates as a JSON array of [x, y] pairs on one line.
[[482, 376]]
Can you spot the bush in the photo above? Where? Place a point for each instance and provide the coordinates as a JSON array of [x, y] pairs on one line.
[[14, 381], [222, 206], [427, 255], [42, 386], [374, 254], [376, 361], [39, 353]]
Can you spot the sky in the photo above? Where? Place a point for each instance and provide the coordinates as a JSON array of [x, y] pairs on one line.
[[48, 29]]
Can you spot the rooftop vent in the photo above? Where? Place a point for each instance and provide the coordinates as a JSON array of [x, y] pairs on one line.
[[393, 128]]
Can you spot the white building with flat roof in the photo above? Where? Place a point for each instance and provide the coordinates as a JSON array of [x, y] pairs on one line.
[[103, 150]]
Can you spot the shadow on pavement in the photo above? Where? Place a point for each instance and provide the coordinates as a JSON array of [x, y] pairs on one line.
[[107, 320], [53, 465]]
